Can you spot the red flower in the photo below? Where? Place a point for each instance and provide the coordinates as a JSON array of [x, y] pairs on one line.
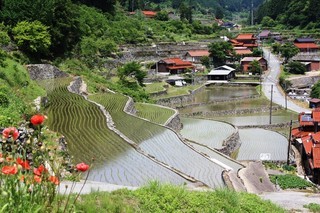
[[37, 179], [9, 170], [54, 180], [38, 171], [10, 131], [25, 164], [37, 119], [82, 167]]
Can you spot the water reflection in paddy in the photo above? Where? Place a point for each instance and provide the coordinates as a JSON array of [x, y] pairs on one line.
[[214, 93]]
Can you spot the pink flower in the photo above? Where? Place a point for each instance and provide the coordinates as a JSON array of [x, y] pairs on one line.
[[11, 131], [82, 167]]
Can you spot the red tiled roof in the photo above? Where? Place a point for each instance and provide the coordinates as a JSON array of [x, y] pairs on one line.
[[235, 42], [307, 144], [316, 156], [177, 62], [149, 13], [316, 115], [198, 53], [243, 51], [250, 45], [245, 37], [306, 45]]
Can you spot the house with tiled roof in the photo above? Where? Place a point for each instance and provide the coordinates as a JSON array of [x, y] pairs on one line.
[[265, 34], [146, 13], [248, 40], [195, 56], [306, 45], [222, 73], [242, 51], [306, 139], [173, 66], [246, 63]]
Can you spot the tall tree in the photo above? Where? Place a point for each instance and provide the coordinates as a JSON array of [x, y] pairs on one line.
[[219, 51], [287, 51]]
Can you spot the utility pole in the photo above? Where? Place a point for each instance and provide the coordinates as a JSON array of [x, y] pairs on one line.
[[251, 12], [271, 104], [289, 144]]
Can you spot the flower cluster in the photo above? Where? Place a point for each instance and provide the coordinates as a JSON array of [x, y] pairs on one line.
[[28, 168]]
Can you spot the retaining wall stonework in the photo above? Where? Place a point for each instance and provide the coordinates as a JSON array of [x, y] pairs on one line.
[[44, 71], [231, 112], [130, 107], [304, 81], [231, 144]]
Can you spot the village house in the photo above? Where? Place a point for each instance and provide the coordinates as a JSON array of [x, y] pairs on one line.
[[314, 103], [146, 13], [306, 45], [222, 73], [311, 60], [246, 63], [195, 56], [306, 139], [265, 34], [248, 40], [173, 66], [242, 51]]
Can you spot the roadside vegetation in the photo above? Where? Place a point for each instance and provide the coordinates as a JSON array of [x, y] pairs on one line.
[[157, 197]]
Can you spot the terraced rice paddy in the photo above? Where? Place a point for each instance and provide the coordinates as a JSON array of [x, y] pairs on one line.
[[154, 113], [161, 142], [84, 126], [206, 132], [260, 118], [215, 93], [257, 143]]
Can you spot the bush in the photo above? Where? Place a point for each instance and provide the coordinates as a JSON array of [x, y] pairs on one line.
[[296, 67]]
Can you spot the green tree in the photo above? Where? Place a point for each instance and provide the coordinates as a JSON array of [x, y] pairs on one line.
[[205, 60], [295, 67], [131, 70], [288, 50], [162, 16], [32, 37], [219, 13], [219, 51], [257, 52], [315, 90], [267, 22], [276, 48], [255, 67]]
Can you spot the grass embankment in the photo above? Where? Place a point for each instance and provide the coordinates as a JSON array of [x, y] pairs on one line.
[[17, 90], [156, 87], [173, 91], [154, 113], [167, 198]]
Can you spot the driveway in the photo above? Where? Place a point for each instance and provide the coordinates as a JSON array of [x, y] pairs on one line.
[[271, 78]]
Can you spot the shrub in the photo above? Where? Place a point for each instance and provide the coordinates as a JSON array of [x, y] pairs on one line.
[[289, 181]]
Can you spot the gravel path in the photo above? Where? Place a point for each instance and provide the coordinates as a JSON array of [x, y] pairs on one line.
[[292, 200]]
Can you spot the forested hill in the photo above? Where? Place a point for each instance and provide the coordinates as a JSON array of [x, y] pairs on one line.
[[292, 13]]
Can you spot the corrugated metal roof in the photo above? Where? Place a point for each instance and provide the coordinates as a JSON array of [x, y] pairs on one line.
[[304, 40], [224, 67], [251, 58], [219, 72]]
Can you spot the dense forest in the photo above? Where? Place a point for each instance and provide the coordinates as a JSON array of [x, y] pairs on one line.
[[291, 13]]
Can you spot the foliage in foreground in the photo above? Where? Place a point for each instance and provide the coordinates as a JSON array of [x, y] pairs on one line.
[[313, 207], [290, 181], [167, 198]]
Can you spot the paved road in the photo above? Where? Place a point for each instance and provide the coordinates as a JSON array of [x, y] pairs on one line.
[[271, 78]]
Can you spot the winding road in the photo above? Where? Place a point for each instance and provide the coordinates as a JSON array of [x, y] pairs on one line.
[[271, 78]]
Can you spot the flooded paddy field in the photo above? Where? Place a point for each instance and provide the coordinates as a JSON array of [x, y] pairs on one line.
[[217, 93], [261, 144], [205, 131]]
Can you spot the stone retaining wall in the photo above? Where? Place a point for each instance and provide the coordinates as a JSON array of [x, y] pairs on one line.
[[304, 81], [130, 107], [232, 112], [231, 144], [44, 71], [180, 100]]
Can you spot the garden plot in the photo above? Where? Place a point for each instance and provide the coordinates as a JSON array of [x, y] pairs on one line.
[[161, 142], [84, 126], [154, 113], [260, 144], [206, 132]]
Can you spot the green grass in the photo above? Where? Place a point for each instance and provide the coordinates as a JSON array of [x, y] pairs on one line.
[[154, 113], [177, 91], [313, 207], [18, 90], [155, 87], [167, 198]]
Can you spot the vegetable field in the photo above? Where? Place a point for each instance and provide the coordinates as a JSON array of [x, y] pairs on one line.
[[88, 136]]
